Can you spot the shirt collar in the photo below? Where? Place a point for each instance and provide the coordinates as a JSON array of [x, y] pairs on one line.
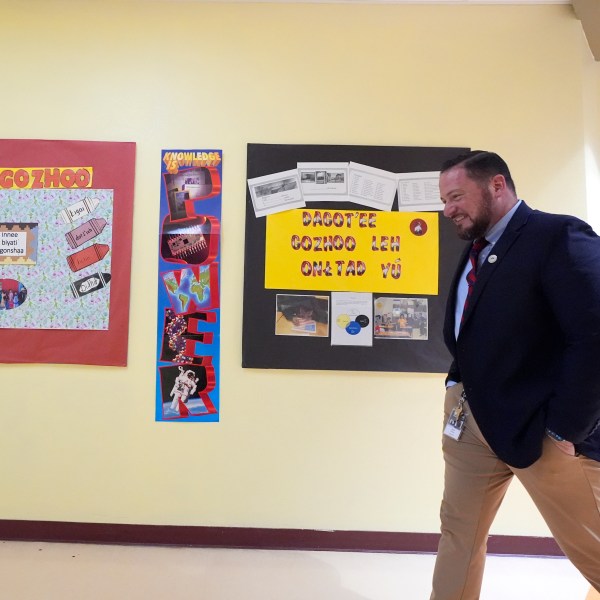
[[493, 235]]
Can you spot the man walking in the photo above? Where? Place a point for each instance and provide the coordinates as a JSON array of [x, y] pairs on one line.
[[523, 391]]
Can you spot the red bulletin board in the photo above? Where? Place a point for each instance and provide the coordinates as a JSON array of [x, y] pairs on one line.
[[113, 168]]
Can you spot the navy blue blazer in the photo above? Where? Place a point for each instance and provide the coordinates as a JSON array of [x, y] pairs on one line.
[[528, 352]]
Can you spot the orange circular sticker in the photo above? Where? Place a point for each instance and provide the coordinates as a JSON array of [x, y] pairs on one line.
[[418, 227]]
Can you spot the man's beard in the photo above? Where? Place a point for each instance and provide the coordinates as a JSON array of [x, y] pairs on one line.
[[480, 223]]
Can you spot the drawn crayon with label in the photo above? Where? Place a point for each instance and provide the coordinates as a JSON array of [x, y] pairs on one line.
[[78, 210], [88, 256], [90, 284], [84, 233]]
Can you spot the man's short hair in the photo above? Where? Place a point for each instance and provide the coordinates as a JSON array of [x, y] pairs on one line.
[[481, 166]]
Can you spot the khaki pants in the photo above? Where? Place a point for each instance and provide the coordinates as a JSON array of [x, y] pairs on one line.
[[565, 489]]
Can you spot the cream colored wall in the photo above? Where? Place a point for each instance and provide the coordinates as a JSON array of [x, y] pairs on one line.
[[591, 111], [325, 450]]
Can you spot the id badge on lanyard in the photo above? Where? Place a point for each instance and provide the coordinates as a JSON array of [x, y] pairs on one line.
[[456, 421]]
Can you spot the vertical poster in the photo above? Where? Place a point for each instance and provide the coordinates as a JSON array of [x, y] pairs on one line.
[[66, 210], [188, 340]]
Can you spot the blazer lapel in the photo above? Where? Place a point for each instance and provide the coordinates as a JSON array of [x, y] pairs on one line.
[[501, 247]]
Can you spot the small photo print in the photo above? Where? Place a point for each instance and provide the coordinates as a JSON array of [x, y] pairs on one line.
[[185, 390], [401, 318], [193, 184], [304, 315]]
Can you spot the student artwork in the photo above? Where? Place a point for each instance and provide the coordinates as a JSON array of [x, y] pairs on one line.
[[80, 209], [40, 255], [88, 256], [188, 295], [84, 233], [90, 284], [65, 221]]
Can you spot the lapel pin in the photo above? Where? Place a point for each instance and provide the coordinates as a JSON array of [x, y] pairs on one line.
[[492, 258]]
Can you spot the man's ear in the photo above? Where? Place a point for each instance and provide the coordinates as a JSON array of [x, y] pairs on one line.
[[498, 183]]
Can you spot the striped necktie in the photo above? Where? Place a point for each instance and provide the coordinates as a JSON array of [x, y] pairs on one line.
[[478, 245]]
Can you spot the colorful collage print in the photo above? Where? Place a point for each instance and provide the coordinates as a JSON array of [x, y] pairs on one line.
[[188, 295]]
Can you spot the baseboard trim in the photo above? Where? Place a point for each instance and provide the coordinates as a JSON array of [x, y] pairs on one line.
[[257, 538]]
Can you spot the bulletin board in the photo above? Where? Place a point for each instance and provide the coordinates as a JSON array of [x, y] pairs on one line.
[[267, 308], [66, 214]]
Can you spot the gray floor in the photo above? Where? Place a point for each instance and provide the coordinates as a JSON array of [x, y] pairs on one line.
[[41, 571]]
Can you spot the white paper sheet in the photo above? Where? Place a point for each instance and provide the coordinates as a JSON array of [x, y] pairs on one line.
[[326, 181], [372, 187], [276, 192], [419, 191], [351, 319]]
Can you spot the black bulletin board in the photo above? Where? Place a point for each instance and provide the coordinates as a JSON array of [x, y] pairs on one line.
[[261, 348]]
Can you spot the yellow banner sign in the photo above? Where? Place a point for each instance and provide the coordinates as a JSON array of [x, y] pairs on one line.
[[353, 251], [45, 177]]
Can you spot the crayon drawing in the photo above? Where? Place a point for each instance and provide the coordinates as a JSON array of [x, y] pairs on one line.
[[66, 288]]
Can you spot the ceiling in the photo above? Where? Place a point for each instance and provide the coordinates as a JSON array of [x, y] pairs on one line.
[[588, 11]]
